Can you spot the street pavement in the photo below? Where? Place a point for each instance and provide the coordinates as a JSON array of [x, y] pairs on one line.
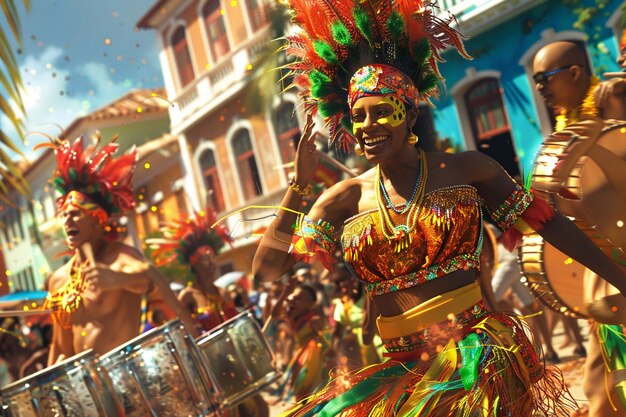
[[571, 365]]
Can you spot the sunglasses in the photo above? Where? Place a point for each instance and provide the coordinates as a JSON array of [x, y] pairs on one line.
[[542, 77]]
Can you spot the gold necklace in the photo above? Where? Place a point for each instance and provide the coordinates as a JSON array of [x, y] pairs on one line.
[[401, 234], [586, 108]]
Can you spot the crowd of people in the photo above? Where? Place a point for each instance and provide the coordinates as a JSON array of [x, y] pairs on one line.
[[370, 300]]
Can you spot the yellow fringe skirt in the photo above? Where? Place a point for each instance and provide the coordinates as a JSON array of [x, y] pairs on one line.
[[448, 357]]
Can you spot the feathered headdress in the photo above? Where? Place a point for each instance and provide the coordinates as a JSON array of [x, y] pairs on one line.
[[339, 37], [185, 238], [94, 173]]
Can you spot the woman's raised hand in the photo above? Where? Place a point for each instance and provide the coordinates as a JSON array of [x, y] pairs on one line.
[[307, 158]]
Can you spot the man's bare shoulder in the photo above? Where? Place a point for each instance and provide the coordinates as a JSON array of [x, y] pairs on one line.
[[124, 249], [59, 277]]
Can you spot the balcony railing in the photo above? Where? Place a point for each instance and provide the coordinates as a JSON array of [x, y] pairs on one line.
[[476, 16], [203, 94]]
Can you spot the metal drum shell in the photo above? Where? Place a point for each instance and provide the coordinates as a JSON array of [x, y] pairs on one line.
[[27, 396], [146, 366], [224, 341]]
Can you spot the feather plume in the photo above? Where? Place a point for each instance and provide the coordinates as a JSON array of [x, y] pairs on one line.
[[181, 238]]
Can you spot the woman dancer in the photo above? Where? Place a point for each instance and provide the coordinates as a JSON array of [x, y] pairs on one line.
[[411, 227]]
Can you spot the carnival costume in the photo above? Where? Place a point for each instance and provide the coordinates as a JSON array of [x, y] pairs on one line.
[[350, 314], [184, 241], [92, 180], [449, 356], [307, 370]]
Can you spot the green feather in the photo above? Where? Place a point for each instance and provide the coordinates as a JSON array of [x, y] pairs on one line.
[[325, 51], [73, 174], [395, 25], [321, 84], [346, 122], [427, 83], [328, 108], [59, 184], [363, 23], [341, 34], [421, 51]]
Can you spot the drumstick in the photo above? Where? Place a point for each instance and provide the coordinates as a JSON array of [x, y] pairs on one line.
[[88, 252], [614, 75], [12, 313], [266, 324]]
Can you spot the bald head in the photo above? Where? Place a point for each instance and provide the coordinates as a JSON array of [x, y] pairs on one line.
[[562, 74], [559, 54]]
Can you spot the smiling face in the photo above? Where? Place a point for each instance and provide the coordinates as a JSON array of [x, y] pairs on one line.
[[79, 227], [381, 126]]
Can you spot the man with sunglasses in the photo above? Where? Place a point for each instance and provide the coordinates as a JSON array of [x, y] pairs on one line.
[[563, 79]]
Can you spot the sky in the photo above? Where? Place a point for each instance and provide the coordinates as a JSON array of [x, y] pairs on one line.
[[79, 55]]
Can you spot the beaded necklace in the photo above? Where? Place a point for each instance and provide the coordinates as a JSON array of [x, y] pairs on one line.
[[407, 205], [67, 299], [400, 234]]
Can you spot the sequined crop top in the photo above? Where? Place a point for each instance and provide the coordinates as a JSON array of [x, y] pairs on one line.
[[447, 236]]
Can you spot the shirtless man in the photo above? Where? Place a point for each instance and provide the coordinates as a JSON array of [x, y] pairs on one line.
[[564, 81], [203, 298], [96, 296]]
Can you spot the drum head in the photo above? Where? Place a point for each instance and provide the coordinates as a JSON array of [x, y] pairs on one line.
[[603, 186], [553, 277]]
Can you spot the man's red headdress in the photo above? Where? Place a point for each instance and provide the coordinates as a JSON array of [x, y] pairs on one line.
[[92, 178], [185, 239]]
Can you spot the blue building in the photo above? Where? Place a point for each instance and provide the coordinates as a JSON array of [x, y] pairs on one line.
[[490, 102]]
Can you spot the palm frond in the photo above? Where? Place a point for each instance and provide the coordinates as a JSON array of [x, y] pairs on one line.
[[11, 103]]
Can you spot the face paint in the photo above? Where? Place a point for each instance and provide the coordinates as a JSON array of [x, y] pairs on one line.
[[394, 120], [398, 115]]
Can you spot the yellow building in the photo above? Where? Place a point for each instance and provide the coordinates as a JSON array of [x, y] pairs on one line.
[[233, 155]]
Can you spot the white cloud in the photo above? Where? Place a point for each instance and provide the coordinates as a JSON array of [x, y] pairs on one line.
[[46, 99]]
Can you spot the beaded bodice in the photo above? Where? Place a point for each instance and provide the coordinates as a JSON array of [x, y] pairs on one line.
[[447, 237]]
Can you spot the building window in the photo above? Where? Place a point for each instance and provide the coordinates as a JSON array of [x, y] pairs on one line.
[[181, 203], [287, 134], [182, 56], [30, 279], [216, 29], [208, 166], [490, 126], [246, 165], [258, 12]]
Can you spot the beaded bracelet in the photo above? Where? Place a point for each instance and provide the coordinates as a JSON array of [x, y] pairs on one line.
[[298, 190]]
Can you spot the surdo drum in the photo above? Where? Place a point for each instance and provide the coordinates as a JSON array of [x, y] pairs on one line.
[[75, 387], [238, 358], [582, 172], [159, 373]]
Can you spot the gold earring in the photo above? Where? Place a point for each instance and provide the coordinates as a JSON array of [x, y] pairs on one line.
[[413, 139], [358, 150]]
